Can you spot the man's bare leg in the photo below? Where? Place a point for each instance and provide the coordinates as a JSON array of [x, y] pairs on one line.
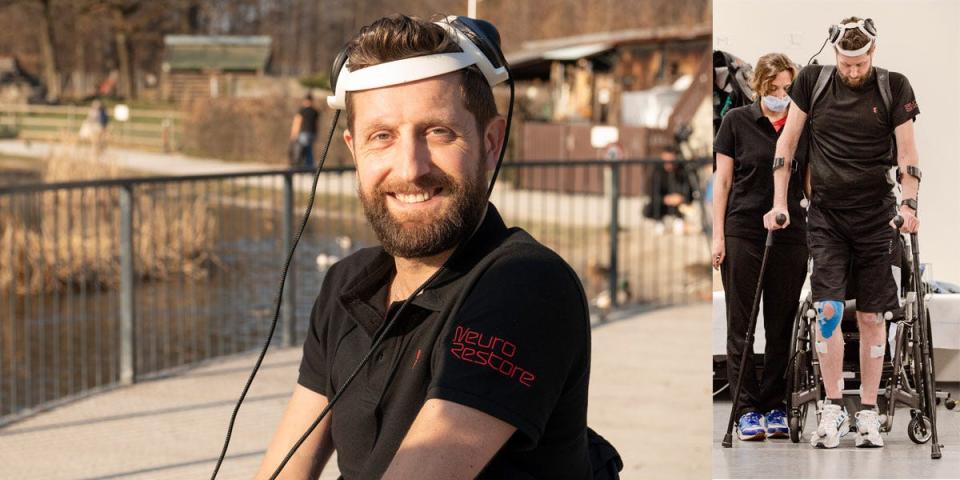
[[829, 344], [873, 341]]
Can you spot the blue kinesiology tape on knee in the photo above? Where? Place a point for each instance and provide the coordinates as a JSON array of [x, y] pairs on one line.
[[828, 323]]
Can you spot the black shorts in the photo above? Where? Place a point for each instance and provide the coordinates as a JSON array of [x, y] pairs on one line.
[[855, 248]]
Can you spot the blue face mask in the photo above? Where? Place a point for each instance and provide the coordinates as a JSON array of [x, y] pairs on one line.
[[776, 104]]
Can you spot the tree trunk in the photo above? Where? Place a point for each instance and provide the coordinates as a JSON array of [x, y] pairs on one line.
[[123, 57], [50, 74]]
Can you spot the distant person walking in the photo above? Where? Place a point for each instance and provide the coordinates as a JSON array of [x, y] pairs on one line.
[[304, 132], [94, 126]]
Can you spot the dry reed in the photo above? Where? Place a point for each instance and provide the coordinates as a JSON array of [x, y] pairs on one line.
[[67, 239]]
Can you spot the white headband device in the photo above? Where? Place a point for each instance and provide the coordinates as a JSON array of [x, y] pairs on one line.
[[860, 51], [416, 68]]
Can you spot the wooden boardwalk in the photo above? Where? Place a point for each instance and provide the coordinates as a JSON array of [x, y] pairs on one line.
[[650, 376]]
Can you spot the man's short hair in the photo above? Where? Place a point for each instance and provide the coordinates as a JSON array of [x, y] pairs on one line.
[[766, 71], [397, 37], [853, 39]]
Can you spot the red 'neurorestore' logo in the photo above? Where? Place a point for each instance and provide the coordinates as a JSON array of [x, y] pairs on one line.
[[472, 346]]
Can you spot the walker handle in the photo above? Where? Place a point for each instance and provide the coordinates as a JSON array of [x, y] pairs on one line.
[[898, 221]]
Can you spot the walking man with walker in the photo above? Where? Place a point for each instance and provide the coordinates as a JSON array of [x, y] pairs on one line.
[[860, 118]]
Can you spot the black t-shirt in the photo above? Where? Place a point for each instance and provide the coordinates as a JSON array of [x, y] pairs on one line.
[[505, 330], [308, 119], [748, 137], [850, 137]]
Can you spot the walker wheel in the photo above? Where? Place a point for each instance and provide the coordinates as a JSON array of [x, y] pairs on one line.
[[795, 428], [950, 404], [920, 429]]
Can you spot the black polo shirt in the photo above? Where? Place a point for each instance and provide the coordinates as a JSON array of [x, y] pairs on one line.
[[850, 141], [505, 330], [747, 136]]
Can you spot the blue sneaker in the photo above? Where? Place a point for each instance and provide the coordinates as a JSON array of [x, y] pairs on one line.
[[750, 427], [776, 421]]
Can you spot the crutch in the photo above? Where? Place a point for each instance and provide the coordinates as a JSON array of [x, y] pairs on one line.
[[748, 345]]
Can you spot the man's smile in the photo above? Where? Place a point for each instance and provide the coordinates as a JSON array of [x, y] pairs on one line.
[[417, 196]]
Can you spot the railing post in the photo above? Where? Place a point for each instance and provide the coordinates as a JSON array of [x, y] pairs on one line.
[[288, 313], [127, 308], [612, 189]]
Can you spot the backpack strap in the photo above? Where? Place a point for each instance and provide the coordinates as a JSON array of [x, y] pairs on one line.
[[883, 81], [825, 74]]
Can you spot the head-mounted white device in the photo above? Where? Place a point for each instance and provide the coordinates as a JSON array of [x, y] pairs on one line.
[[866, 26], [417, 68]]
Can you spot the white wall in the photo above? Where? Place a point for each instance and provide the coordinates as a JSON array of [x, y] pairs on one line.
[[918, 38]]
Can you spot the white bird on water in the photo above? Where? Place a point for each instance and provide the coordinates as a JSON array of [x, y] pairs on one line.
[[326, 260]]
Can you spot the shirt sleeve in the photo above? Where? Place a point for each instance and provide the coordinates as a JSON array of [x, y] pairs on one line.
[[314, 366], [725, 142], [802, 87], [904, 101], [520, 339]]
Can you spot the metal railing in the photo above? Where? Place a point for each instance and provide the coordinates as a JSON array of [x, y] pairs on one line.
[[107, 282]]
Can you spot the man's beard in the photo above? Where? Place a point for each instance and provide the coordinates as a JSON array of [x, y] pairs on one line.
[[426, 237], [859, 82]]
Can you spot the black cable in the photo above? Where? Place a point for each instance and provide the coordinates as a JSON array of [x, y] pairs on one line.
[[283, 278], [824, 44], [386, 329], [506, 138], [376, 343]]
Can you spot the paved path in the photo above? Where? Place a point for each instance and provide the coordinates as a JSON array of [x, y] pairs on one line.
[[650, 373]]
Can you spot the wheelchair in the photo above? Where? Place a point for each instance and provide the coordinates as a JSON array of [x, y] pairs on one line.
[[908, 376]]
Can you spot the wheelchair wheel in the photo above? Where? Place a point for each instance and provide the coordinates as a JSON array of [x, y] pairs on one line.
[[798, 374], [799, 379], [920, 429]]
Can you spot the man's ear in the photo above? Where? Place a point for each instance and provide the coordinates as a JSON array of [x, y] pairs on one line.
[[348, 139], [493, 140]]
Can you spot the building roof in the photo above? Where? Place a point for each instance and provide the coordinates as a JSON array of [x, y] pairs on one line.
[[216, 52], [592, 44]]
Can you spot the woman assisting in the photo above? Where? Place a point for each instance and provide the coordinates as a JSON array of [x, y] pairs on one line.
[[743, 192]]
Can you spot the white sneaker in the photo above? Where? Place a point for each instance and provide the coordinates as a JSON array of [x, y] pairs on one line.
[[868, 429], [834, 423]]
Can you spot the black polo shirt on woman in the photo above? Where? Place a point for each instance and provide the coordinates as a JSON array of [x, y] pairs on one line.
[[748, 137], [504, 330], [850, 137]]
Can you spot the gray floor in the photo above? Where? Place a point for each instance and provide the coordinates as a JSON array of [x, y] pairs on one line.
[[900, 458]]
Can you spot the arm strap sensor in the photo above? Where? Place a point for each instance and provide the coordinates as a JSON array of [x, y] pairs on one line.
[[914, 171]]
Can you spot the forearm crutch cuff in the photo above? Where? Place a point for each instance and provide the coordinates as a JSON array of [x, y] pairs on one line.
[[778, 162], [913, 171]]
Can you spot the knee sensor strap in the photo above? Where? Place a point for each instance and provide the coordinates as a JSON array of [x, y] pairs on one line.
[[829, 324]]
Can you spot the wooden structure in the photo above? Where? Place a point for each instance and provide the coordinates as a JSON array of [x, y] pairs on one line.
[[582, 78], [209, 66]]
